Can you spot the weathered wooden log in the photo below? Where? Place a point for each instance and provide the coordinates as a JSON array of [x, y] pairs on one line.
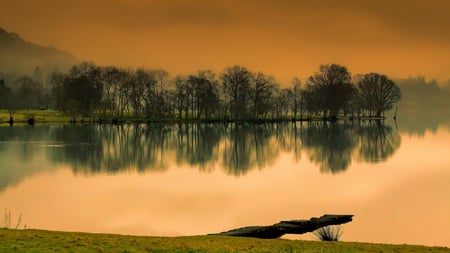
[[289, 227]]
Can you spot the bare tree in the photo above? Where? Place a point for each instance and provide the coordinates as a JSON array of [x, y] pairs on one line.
[[236, 83], [263, 94], [161, 105], [145, 92], [297, 100], [378, 93], [181, 96]]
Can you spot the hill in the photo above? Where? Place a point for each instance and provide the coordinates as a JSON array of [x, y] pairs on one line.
[[22, 57]]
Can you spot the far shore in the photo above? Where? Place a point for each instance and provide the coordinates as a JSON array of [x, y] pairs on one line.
[[55, 117]]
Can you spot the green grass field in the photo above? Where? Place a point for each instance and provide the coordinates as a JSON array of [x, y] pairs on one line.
[[30, 240], [41, 116]]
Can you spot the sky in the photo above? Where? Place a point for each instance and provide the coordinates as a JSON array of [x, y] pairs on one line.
[[283, 38]]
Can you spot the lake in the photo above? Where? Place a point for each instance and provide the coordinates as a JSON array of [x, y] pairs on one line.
[[190, 179]]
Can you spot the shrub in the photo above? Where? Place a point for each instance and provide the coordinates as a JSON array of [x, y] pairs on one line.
[[328, 233]]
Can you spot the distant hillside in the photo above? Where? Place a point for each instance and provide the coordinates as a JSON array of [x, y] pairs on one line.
[[21, 57]]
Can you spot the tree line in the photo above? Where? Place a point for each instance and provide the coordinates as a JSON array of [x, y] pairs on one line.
[[88, 90]]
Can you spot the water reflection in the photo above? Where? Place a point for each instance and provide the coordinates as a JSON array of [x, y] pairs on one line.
[[236, 148], [377, 142], [419, 121], [21, 153], [330, 146], [197, 145]]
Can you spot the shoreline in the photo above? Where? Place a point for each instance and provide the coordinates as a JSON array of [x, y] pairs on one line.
[[40, 117]]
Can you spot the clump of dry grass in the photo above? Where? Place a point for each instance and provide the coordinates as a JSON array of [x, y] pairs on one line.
[[7, 221], [328, 233]]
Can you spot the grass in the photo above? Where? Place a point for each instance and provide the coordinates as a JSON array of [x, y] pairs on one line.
[[7, 221], [30, 240], [45, 116], [52, 117], [328, 233]]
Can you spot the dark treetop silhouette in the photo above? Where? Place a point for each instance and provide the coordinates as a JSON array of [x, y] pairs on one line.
[[236, 94]]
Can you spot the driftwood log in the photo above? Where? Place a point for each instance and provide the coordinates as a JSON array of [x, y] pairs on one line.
[[289, 227]]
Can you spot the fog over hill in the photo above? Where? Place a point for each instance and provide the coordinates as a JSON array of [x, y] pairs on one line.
[[22, 57]]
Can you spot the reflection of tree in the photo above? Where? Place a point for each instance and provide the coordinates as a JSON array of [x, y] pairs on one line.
[[296, 138], [197, 144], [20, 150], [266, 148], [26, 136], [155, 146], [329, 145], [113, 148], [137, 147], [377, 141], [236, 147], [417, 123], [248, 146], [237, 150], [82, 147], [288, 137]]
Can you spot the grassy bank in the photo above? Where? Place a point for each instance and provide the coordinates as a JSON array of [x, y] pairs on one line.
[[47, 241], [40, 116], [52, 116]]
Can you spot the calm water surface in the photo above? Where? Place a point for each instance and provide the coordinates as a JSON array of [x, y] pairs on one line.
[[171, 180]]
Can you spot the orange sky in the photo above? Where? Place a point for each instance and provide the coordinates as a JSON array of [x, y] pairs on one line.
[[284, 38]]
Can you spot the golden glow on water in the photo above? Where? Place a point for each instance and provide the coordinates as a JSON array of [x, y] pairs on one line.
[[402, 200]]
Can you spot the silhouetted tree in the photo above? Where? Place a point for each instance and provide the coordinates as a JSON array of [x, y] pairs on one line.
[[7, 100], [109, 78], [146, 83], [5, 95], [81, 91], [121, 82], [56, 80], [311, 103], [150, 89], [378, 93], [30, 94], [236, 83], [262, 95], [181, 96], [204, 92], [331, 87], [138, 93], [297, 98], [162, 106], [284, 102], [239, 94]]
